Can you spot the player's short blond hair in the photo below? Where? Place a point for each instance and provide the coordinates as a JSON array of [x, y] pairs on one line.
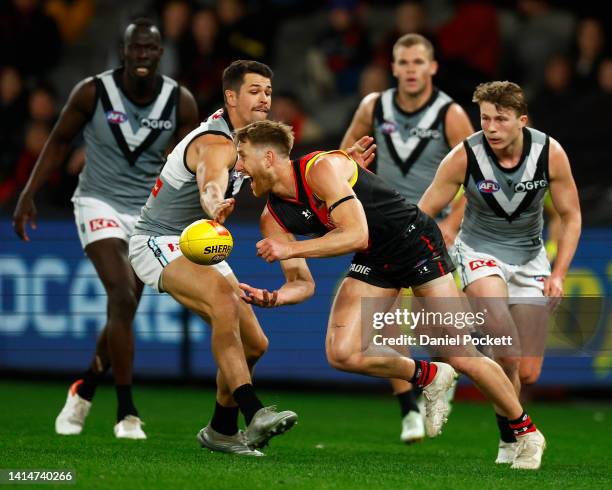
[[413, 39], [504, 95], [272, 133]]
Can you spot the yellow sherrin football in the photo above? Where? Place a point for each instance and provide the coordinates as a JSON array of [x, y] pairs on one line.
[[206, 242]]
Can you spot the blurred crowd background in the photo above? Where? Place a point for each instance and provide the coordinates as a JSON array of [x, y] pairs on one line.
[[326, 56]]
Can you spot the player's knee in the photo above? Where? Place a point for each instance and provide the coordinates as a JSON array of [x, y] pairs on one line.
[[340, 357], [509, 364], [225, 310], [257, 349], [122, 301], [529, 375]]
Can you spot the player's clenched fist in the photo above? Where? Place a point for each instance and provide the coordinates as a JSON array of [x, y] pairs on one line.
[[272, 250]]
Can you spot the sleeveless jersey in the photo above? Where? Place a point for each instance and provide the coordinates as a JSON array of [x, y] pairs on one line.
[[174, 201], [125, 143], [388, 214], [503, 215], [410, 146]]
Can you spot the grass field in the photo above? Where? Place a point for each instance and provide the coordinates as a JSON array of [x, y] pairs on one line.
[[341, 441]]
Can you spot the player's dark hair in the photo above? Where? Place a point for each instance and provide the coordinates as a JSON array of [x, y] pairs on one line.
[[141, 23], [267, 132], [233, 75], [412, 39], [504, 95]]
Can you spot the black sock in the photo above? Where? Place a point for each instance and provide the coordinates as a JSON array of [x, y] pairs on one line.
[[225, 420], [125, 404], [87, 389], [505, 432], [247, 401], [407, 401]]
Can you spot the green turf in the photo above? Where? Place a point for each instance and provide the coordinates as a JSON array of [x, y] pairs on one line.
[[341, 441]]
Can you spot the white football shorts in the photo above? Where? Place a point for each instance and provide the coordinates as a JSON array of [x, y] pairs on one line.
[[523, 281], [97, 220], [150, 254]]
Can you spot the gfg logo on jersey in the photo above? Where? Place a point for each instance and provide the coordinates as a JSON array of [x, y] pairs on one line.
[[115, 117], [424, 133], [487, 186], [163, 124], [530, 185]]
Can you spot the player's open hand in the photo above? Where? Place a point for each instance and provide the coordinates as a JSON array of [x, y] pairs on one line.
[[272, 250], [259, 297], [24, 212], [223, 209], [553, 288], [363, 151]]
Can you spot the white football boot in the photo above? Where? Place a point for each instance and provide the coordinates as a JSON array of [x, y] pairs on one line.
[[436, 399], [267, 423], [71, 419], [450, 395], [413, 428], [236, 444], [130, 427], [529, 451], [506, 452]]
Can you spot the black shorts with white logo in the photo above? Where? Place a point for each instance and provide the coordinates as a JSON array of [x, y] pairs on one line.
[[420, 257]]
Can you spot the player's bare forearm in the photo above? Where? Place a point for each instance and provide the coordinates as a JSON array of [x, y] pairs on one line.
[[336, 242], [295, 292], [571, 225], [53, 155], [290, 293]]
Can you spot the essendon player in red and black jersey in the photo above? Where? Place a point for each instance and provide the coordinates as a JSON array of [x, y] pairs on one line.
[[404, 247], [346, 209]]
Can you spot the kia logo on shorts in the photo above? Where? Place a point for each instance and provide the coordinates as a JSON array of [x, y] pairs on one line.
[[115, 117], [487, 186]]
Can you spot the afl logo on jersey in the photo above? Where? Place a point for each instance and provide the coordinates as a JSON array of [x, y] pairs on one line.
[[163, 124], [487, 186], [388, 127], [115, 117]]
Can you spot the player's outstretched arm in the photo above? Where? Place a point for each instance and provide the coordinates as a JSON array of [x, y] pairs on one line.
[[210, 157], [446, 183], [74, 116], [361, 125], [565, 200], [299, 285]]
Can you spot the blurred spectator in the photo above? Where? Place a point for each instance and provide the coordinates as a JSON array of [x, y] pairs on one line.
[[287, 108], [342, 50], [373, 79], [35, 137], [245, 35], [42, 104], [590, 44], [72, 16], [29, 38], [468, 49], [175, 23], [201, 61], [555, 100], [410, 16], [13, 111], [541, 31]]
